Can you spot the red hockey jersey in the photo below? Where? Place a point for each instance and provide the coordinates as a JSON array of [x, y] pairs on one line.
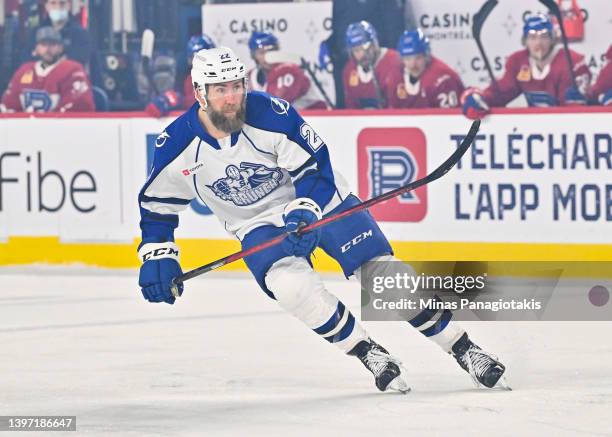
[[603, 84], [61, 87], [438, 87], [359, 88], [289, 82], [545, 87]]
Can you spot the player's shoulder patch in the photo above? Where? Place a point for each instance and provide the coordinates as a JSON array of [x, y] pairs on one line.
[[27, 77], [175, 137], [26, 69], [268, 112]]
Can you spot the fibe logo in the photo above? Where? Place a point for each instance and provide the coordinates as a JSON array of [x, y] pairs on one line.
[[389, 158], [44, 190]]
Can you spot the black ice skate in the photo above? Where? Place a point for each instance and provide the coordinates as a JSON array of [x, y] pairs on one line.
[[385, 367], [483, 367]]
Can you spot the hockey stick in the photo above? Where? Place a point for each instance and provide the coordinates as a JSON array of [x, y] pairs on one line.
[[304, 64], [436, 174], [477, 23], [554, 9], [380, 98], [146, 56]]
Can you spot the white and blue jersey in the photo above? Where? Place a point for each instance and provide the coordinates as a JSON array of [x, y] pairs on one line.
[[246, 179]]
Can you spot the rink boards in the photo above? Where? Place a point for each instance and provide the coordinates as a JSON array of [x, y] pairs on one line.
[[535, 186]]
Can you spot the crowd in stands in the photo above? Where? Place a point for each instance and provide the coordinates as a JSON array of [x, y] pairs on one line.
[[60, 69]]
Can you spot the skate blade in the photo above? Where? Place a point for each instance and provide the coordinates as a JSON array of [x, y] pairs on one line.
[[502, 384], [399, 385]]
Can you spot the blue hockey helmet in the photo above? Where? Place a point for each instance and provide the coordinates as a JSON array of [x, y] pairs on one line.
[[199, 42], [262, 40], [537, 23], [360, 33], [413, 42]]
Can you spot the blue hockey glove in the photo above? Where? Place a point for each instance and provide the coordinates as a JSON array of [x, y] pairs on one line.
[[161, 105], [605, 99], [324, 55], [160, 266], [474, 105], [299, 213], [574, 97]]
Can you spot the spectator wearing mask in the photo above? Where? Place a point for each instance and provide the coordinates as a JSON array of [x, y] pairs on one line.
[[52, 83], [77, 43]]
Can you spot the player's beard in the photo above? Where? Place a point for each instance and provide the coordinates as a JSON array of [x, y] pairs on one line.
[[49, 60], [227, 124], [368, 61]]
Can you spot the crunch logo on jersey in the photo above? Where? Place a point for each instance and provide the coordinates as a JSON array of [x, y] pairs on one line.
[[247, 184], [389, 158]]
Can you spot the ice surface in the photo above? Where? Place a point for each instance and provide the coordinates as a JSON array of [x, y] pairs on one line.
[[225, 360]]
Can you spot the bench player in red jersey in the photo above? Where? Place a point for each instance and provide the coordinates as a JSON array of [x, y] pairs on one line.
[[281, 77], [601, 91], [539, 71], [424, 81], [366, 76], [52, 83]]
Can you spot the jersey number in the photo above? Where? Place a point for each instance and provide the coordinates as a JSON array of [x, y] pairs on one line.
[[285, 80], [448, 100], [311, 137]]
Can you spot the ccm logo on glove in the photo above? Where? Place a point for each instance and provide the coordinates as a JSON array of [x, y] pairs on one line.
[[151, 251]]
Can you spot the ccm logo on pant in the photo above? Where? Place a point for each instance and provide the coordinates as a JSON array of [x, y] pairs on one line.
[[358, 239], [160, 253]]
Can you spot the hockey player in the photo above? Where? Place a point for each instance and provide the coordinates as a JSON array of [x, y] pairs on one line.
[[367, 74], [171, 100], [601, 91], [260, 43], [424, 81], [282, 77], [50, 84], [264, 171], [540, 72]]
